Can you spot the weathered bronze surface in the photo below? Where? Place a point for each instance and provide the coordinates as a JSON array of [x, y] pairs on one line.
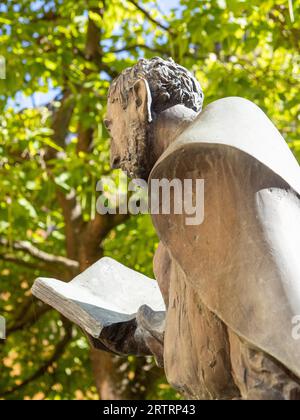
[[230, 286]]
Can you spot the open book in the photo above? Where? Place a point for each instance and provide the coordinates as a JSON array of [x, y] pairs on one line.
[[105, 294]]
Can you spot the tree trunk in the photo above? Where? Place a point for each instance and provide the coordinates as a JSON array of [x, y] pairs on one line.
[[107, 376], [83, 240]]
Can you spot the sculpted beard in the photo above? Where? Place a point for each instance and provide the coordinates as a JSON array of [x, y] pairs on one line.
[[138, 161]]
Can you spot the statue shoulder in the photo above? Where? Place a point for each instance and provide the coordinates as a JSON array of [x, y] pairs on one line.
[[240, 124]]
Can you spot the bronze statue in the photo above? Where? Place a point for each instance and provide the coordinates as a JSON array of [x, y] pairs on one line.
[[230, 285]]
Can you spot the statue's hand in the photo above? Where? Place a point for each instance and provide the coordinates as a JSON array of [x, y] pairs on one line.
[[141, 336], [152, 326]]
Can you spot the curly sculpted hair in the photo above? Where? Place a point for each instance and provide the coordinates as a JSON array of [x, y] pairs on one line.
[[170, 84]]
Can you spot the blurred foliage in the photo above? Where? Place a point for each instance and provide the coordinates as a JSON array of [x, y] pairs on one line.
[[69, 52]]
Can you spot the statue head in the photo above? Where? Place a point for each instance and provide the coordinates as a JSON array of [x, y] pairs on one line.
[[136, 98]]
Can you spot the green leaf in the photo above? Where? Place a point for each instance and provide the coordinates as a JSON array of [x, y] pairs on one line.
[[28, 207], [50, 65], [61, 181], [95, 17], [51, 143], [5, 21]]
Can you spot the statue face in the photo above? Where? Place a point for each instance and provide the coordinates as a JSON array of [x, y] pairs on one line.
[[116, 124], [129, 129]]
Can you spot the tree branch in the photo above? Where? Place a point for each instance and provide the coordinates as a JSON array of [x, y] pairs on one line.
[[11, 259], [61, 119], [47, 17], [73, 222], [98, 228], [59, 350], [40, 255], [92, 52], [149, 17], [27, 317], [141, 46], [155, 50], [50, 268], [95, 232]]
